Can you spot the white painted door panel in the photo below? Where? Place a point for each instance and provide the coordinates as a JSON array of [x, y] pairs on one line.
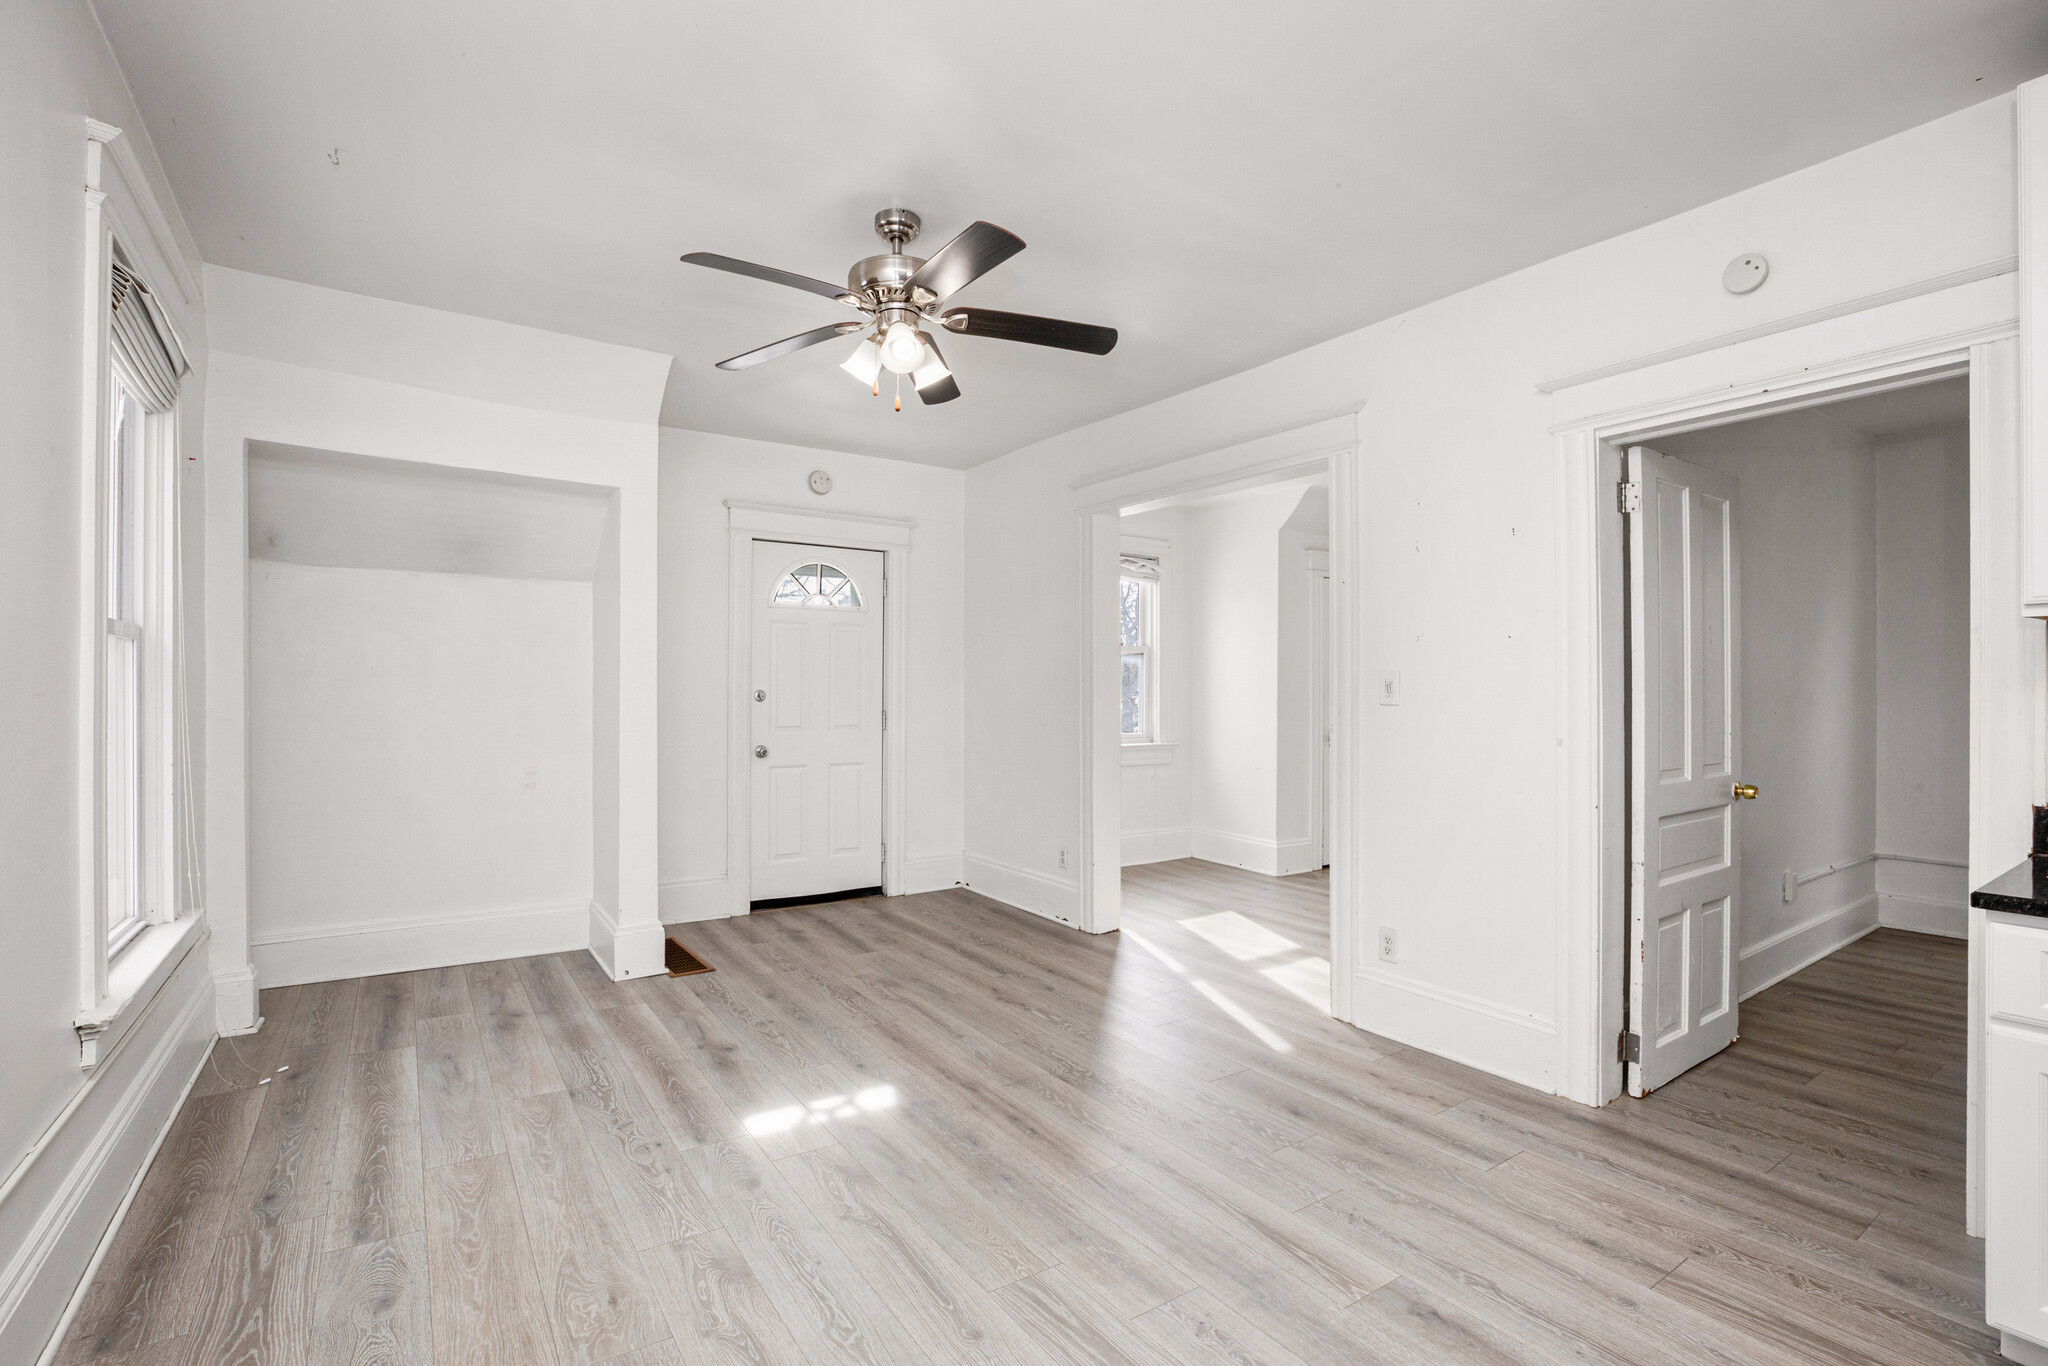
[[1685, 747], [817, 709]]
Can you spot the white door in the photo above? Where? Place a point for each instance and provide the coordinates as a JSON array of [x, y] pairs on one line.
[[817, 707], [1685, 749]]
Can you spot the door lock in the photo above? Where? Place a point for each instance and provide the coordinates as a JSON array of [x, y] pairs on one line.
[[760, 751], [1745, 792], [760, 694]]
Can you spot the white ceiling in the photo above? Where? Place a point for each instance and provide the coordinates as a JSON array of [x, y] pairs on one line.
[[1224, 183], [359, 512]]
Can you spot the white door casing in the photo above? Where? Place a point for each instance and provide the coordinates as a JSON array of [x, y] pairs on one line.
[[816, 706], [1684, 868]]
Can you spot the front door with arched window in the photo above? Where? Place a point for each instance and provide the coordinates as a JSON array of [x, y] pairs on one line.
[[817, 720]]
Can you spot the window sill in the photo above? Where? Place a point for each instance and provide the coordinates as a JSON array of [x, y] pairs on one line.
[[1139, 753], [133, 980]]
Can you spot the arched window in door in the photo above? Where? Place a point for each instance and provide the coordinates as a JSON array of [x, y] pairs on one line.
[[816, 585]]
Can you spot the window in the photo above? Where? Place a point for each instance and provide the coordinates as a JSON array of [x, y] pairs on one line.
[[136, 549], [816, 585], [1138, 624]]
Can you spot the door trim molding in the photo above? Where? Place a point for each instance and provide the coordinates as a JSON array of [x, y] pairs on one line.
[[750, 522], [1966, 329]]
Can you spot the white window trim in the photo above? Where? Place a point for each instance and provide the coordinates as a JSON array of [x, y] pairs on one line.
[[1151, 745], [117, 984]]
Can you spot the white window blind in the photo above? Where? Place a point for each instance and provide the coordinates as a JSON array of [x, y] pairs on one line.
[[145, 340]]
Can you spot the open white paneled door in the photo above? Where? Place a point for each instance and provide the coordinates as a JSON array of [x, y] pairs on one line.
[[1684, 862]]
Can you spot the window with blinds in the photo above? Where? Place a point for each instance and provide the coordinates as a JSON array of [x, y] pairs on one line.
[[1138, 627], [144, 367]]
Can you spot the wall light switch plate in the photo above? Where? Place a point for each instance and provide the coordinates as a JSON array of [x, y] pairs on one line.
[[1387, 951], [1390, 688]]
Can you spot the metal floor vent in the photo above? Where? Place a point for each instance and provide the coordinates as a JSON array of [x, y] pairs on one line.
[[681, 962]]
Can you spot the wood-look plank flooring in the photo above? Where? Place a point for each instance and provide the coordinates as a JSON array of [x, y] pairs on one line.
[[935, 1129]]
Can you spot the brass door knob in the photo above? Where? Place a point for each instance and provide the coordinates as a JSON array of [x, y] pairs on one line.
[[1745, 792]]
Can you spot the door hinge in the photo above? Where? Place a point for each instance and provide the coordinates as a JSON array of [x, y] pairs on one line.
[[885, 718], [1629, 1047], [1631, 496]]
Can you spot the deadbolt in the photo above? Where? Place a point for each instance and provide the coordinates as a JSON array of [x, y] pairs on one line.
[[760, 694], [760, 751], [1745, 792]]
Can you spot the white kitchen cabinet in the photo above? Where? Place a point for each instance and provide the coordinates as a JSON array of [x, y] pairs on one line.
[[2016, 1137]]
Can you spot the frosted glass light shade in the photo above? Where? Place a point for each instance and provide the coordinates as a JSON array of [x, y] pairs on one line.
[[901, 348], [865, 362], [930, 370]]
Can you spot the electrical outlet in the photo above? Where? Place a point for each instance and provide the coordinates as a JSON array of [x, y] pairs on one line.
[[1063, 860], [1390, 688], [1387, 952], [1791, 885]]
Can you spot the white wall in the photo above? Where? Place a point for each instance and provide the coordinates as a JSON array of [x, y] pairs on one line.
[[419, 754], [1806, 527], [700, 472], [1923, 680], [1459, 514], [57, 1189]]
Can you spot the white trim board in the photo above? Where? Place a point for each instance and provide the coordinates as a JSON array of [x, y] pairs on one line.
[[1022, 888], [745, 524], [371, 948], [1157, 846], [1799, 946], [1274, 858], [61, 1207]]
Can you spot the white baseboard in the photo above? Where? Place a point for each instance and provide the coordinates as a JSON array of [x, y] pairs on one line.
[[930, 874], [1157, 846], [374, 947], [697, 898], [1274, 858], [1464, 1028], [1786, 952], [1022, 888], [1923, 915], [61, 1206]]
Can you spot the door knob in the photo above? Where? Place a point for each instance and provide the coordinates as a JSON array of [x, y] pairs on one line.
[[761, 752], [1745, 791]]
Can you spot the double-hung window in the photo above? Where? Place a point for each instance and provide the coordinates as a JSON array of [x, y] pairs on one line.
[[1138, 623], [136, 548]]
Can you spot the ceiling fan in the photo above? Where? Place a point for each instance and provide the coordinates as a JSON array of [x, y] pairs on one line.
[[899, 295]]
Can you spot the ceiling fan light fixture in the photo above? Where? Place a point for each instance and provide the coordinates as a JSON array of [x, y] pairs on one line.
[[930, 370], [902, 349], [865, 363]]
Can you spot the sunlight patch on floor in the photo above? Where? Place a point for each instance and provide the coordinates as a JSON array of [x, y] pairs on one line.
[[1148, 946], [821, 1110], [1308, 978], [1242, 938], [1245, 1018]]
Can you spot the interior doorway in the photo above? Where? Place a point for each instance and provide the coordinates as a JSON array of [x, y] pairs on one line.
[[1220, 619], [1796, 657]]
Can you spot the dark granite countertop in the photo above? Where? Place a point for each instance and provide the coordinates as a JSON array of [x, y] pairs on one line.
[[2022, 890]]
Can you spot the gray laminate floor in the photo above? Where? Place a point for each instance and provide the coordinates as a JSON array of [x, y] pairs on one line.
[[934, 1129]]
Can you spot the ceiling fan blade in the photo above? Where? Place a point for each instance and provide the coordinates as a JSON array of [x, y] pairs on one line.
[[748, 359], [1023, 327], [939, 390], [979, 249], [840, 293]]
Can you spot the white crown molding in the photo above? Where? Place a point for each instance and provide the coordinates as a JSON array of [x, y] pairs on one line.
[[154, 221]]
